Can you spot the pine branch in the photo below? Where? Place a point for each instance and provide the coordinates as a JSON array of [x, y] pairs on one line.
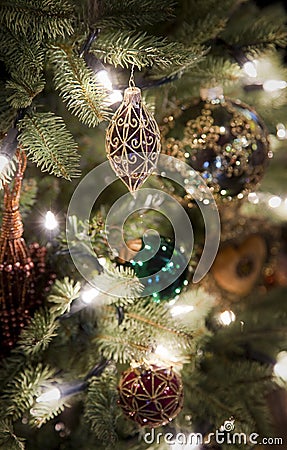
[[131, 13], [144, 326], [261, 31], [19, 394], [28, 196], [77, 85], [120, 349], [21, 92], [201, 30], [63, 293], [101, 411], [36, 337], [191, 11], [118, 282], [216, 70], [7, 114], [92, 231], [43, 412], [43, 18], [20, 53], [49, 144], [8, 439], [123, 48]]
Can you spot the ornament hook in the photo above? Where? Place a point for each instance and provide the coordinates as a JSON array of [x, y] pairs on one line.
[[132, 79]]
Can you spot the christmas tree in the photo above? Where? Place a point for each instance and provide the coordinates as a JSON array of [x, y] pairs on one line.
[[143, 240]]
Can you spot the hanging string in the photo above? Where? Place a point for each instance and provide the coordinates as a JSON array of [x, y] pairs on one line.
[[132, 80]]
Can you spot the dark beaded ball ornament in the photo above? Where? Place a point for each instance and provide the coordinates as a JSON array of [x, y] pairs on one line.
[[224, 140], [151, 396]]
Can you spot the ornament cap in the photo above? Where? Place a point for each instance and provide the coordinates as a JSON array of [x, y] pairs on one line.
[[132, 95]]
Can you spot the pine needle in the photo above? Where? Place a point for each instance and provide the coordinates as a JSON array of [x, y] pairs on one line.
[[77, 85], [50, 145], [43, 18]]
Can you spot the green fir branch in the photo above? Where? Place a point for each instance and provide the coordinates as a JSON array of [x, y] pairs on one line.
[[50, 145], [20, 53], [120, 349], [64, 292], [144, 326], [191, 11], [7, 114], [125, 48], [131, 13], [258, 31], [214, 69], [28, 196], [20, 392], [43, 18], [36, 337], [42, 412], [8, 438], [77, 85], [101, 410], [21, 92], [81, 234], [119, 284], [201, 30]]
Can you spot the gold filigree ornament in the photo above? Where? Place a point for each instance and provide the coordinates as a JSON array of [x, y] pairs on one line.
[[133, 140]]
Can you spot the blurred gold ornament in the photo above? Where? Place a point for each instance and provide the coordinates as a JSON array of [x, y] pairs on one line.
[[224, 140]]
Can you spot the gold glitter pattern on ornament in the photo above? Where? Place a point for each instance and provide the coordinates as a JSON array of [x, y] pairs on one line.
[[133, 141], [225, 141], [150, 396]]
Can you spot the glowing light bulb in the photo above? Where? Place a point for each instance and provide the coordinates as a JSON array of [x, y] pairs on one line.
[[49, 396], [89, 295], [250, 69], [102, 261], [281, 131], [274, 85], [104, 79], [51, 222], [162, 351], [274, 202], [115, 96], [253, 198], [280, 368], [181, 309], [3, 163], [227, 317]]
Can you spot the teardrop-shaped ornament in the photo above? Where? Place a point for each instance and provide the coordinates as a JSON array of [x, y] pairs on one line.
[[133, 140]]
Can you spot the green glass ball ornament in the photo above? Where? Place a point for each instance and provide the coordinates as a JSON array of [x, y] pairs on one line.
[[224, 140], [157, 263]]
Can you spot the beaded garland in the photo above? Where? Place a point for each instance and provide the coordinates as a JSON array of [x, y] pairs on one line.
[[21, 267]]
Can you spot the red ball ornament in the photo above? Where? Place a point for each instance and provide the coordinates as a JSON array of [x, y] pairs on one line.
[[150, 395]]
